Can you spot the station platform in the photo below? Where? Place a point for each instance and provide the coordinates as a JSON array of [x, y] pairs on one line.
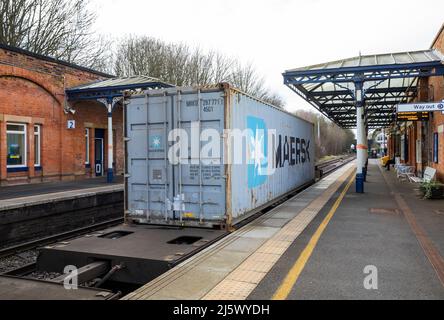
[[35, 211], [36, 193], [321, 244]]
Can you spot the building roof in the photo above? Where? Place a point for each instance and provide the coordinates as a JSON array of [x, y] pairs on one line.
[[375, 60], [114, 87], [388, 79], [53, 60], [441, 30], [134, 81]]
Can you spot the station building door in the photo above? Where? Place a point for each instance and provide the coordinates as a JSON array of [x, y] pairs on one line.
[[99, 152]]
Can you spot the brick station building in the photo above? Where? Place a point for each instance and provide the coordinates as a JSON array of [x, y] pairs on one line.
[[421, 143], [40, 138]]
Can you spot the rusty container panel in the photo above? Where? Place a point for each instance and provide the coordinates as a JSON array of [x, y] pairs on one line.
[[209, 188]]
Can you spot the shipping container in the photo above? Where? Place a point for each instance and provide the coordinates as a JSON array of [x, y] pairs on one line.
[[210, 156]]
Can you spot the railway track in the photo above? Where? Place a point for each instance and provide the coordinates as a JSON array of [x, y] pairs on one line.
[[326, 167], [22, 256]]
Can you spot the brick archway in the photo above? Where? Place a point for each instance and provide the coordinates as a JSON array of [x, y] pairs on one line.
[[13, 76]]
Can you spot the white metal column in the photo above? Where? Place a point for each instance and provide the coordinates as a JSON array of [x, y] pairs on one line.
[[360, 137], [109, 103], [360, 147]]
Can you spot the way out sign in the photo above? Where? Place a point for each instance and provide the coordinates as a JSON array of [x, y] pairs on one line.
[[421, 107]]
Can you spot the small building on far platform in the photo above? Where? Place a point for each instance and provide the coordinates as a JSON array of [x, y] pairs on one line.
[[60, 121], [41, 138]]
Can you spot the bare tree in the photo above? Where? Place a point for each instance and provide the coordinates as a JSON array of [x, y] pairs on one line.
[[222, 68], [58, 28], [274, 99], [180, 64], [246, 79], [333, 139]]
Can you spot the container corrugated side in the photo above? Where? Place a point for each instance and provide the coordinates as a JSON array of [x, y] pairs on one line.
[[291, 153]]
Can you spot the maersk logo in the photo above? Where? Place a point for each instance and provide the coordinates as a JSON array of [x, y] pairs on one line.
[[155, 142], [257, 152], [292, 150]]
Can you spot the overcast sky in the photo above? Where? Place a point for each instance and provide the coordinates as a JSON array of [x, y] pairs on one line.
[[276, 35]]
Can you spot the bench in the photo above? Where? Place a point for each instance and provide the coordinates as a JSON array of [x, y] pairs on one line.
[[404, 172], [429, 174]]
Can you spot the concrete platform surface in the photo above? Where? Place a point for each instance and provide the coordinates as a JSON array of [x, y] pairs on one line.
[[232, 267], [44, 195], [32, 189], [370, 229]]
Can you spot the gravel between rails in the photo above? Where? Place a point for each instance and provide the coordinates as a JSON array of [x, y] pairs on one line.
[[17, 260], [43, 275]]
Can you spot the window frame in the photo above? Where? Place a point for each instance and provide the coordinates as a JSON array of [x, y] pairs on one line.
[[38, 135], [87, 147], [24, 133]]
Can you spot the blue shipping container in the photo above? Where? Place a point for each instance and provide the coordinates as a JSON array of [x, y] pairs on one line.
[[210, 156]]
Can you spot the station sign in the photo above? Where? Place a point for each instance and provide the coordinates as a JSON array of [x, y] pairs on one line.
[[420, 107], [71, 124], [412, 116]]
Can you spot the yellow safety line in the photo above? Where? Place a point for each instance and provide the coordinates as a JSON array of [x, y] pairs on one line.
[[287, 284]]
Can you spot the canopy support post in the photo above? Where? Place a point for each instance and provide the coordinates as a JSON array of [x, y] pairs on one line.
[[361, 143], [109, 103]]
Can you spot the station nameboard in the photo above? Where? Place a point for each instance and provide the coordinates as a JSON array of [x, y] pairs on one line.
[[418, 107], [412, 116]]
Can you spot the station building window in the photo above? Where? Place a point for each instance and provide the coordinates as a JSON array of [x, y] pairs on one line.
[[86, 146], [16, 145], [37, 146]]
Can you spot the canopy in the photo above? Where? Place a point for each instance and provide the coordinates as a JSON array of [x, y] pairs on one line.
[[386, 79], [114, 87]]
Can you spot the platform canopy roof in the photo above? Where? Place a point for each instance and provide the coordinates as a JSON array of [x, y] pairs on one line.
[[114, 87], [386, 79]]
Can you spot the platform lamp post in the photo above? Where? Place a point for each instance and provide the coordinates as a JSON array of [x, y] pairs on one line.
[[109, 103], [361, 145]]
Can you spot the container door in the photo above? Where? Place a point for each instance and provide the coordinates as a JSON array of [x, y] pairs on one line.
[[199, 181], [150, 173]]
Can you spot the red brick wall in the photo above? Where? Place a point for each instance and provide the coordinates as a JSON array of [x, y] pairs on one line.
[[411, 132], [438, 118], [32, 92]]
